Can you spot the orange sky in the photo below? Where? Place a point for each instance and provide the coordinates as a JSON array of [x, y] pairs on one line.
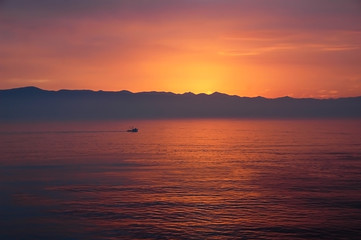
[[299, 48]]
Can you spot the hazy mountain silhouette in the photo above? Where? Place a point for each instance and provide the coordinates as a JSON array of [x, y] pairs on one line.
[[31, 103]]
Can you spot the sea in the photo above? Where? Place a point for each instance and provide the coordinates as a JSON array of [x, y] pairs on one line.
[[181, 179]]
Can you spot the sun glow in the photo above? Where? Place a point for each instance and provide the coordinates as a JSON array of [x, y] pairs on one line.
[[182, 75], [202, 77]]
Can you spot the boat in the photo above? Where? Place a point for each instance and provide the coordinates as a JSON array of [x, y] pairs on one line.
[[132, 129]]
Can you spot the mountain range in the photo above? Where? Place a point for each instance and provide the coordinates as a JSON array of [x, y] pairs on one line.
[[31, 104]]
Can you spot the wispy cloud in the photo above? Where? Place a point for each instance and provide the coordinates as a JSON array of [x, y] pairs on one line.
[[339, 48], [28, 81], [256, 51], [258, 42]]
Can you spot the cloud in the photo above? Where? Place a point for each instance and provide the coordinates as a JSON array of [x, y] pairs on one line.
[[35, 80], [257, 51], [256, 43], [280, 48]]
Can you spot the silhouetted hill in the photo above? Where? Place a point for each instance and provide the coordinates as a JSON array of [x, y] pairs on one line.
[[31, 103]]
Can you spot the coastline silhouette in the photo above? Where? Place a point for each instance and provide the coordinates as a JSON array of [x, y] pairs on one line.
[[31, 103]]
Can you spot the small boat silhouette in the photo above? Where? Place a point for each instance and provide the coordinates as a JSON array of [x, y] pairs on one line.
[[132, 129]]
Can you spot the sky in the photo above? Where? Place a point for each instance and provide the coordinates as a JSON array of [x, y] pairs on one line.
[[270, 48]]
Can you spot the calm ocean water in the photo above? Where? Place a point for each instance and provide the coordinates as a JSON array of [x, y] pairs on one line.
[[181, 179]]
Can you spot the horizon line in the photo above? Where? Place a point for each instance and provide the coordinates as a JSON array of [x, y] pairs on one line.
[[169, 92]]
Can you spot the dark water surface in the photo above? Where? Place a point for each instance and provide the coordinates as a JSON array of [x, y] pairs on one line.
[[181, 179]]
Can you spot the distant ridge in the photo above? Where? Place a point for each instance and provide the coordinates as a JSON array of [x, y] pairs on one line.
[[32, 103]]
